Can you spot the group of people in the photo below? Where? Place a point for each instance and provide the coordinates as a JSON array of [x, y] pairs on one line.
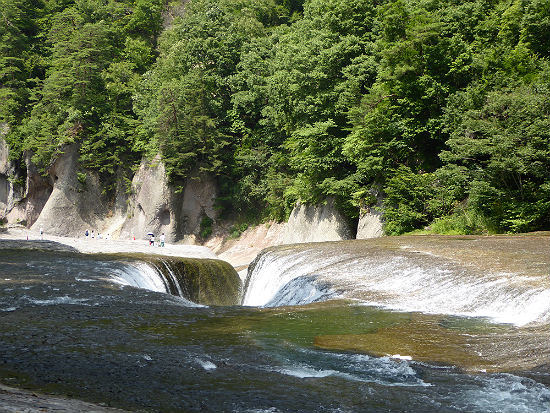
[[93, 235], [152, 239]]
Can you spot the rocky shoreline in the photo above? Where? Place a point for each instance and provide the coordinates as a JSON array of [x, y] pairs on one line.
[[27, 239]]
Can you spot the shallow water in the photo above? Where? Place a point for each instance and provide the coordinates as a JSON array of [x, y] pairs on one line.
[[69, 325]]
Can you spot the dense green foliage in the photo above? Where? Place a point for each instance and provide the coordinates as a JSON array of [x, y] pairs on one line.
[[441, 105], [69, 70]]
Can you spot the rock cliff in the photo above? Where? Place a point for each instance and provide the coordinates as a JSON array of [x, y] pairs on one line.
[[68, 200], [73, 205], [316, 223], [155, 207], [12, 192]]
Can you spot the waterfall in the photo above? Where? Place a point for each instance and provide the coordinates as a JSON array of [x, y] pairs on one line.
[[401, 280], [203, 281], [141, 275]]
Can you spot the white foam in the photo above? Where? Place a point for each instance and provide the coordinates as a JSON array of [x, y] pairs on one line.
[[272, 272], [305, 372], [400, 357], [506, 393], [140, 275], [406, 284], [59, 300], [206, 364]]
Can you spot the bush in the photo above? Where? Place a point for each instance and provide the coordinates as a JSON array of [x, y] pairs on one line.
[[236, 230], [206, 227], [462, 222]]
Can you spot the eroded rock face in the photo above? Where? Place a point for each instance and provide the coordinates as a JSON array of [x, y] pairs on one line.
[[197, 203], [37, 191], [150, 203], [71, 207], [155, 207], [371, 224], [4, 182], [316, 223], [11, 194]]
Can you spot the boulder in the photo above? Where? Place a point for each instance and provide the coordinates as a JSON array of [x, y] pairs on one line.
[[316, 223]]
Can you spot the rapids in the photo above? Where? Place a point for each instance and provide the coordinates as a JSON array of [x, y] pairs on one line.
[[408, 324], [434, 275]]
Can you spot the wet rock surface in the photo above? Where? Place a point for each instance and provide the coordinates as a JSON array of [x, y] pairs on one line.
[[20, 401]]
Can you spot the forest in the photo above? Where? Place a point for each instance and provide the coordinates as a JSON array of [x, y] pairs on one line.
[[435, 111]]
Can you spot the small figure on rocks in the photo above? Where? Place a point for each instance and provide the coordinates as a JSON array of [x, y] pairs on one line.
[[152, 240], [87, 233], [162, 239], [41, 233]]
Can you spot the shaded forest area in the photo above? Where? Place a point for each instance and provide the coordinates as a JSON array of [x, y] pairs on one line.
[[440, 107]]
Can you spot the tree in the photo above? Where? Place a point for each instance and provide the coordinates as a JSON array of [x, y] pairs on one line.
[[505, 146]]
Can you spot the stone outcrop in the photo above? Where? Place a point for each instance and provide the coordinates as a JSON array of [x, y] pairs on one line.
[[72, 206], [198, 203], [150, 205], [371, 224], [316, 223], [62, 204], [155, 207], [38, 189], [11, 193], [5, 185], [371, 217]]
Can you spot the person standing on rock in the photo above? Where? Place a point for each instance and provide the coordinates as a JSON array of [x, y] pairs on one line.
[[41, 233], [152, 240], [162, 239]]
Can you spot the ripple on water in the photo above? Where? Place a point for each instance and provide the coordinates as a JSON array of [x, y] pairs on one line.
[[505, 393]]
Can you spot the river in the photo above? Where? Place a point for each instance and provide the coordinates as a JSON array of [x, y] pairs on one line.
[[394, 325]]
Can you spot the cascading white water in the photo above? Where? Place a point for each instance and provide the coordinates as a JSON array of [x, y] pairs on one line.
[[142, 275], [273, 271], [405, 281], [170, 273]]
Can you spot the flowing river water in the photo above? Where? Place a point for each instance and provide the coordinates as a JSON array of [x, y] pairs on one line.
[[404, 324]]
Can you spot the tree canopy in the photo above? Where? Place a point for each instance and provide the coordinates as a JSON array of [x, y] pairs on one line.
[[441, 106]]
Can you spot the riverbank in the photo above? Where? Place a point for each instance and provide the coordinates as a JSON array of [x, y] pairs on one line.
[[22, 238]]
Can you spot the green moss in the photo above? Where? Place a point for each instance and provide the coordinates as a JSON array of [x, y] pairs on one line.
[[205, 281]]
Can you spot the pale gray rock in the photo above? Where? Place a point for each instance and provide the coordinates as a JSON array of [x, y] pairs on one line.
[[11, 193], [38, 189], [71, 207], [155, 207], [150, 203], [14, 400], [316, 223], [371, 224], [5, 187], [199, 196]]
